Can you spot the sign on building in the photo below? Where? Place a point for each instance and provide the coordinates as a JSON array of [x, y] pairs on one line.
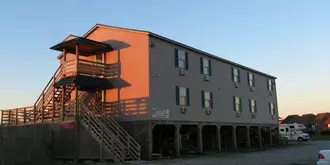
[[160, 113]]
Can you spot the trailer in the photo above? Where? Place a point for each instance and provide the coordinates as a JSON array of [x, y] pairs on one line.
[[293, 132]]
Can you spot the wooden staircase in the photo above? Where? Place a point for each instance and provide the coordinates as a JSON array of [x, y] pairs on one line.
[[108, 133], [49, 107]]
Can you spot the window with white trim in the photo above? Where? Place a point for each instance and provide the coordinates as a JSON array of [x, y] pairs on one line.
[[272, 108], [207, 99], [182, 96], [182, 59], [251, 79], [253, 106], [270, 85], [235, 75], [237, 104]]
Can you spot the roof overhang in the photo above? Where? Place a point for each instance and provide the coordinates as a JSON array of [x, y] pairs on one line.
[[86, 46]]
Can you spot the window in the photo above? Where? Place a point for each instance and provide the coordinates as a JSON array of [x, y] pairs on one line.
[[253, 106], [237, 104], [282, 130], [251, 79], [207, 99], [181, 59], [235, 75], [272, 108], [182, 96], [205, 66], [99, 97], [270, 85], [291, 126], [286, 129], [98, 58]]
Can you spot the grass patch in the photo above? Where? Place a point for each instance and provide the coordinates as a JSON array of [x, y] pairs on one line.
[[320, 137]]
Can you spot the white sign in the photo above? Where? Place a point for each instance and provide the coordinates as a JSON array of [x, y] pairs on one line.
[[160, 113]]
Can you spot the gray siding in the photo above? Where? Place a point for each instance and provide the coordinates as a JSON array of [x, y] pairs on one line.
[[164, 77]]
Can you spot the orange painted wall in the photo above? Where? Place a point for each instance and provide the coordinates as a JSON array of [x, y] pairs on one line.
[[134, 61]]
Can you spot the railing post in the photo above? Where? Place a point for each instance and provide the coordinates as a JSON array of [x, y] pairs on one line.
[[16, 116], [9, 117], [53, 115], [24, 116], [34, 114], [43, 106]]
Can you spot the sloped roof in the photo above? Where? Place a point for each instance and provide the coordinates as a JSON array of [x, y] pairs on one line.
[[177, 43], [308, 119], [322, 117], [327, 121], [292, 119]]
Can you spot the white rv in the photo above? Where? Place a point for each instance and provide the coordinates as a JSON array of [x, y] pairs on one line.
[[293, 132]]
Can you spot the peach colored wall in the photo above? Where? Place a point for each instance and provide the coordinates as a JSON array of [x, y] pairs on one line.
[[134, 61]]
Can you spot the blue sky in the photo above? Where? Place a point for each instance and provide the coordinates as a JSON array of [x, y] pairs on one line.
[[287, 39]]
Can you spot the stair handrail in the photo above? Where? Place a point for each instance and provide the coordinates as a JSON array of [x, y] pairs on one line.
[[117, 143], [123, 132], [46, 93]]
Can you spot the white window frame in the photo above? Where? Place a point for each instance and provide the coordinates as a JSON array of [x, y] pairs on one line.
[[206, 66], [253, 106], [272, 108], [182, 59], [238, 103], [235, 75], [270, 85], [251, 79], [207, 99], [183, 96]]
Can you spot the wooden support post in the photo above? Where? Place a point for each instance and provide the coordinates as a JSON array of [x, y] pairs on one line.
[[218, 135], [200, 138], [76, 114], [260, 137], [64, 62], [63, 103], [43, 106], [53, 98], [9, 116], [234, 138], [104, 71], [177, 137], [119, 69], [270, 138], [24, 118], [248, 140], [1, 117], [16, 117]]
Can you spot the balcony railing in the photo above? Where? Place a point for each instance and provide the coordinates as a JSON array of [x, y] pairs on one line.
[[90, 68]]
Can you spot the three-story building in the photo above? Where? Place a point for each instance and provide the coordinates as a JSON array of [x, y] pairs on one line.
[[171, 98]]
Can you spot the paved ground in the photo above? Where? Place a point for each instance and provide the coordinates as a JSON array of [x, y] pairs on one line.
[[298, 154]]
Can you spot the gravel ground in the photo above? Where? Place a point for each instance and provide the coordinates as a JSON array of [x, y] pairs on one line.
[[296, 154]]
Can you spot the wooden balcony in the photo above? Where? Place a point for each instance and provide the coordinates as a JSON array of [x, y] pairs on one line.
[[90, 68]]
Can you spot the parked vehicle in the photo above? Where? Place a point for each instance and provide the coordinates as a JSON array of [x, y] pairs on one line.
[[293, 132], [324, 157]]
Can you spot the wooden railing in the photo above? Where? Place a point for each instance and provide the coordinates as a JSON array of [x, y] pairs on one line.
[[18, 116], [90, 68], [128, 148]]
